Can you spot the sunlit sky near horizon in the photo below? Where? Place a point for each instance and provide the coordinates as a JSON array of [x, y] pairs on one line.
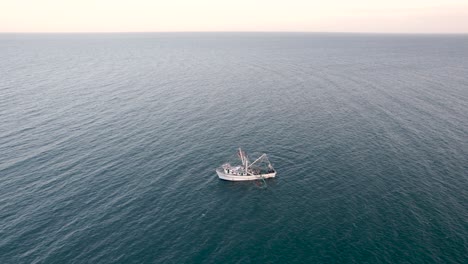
[[391, 16]]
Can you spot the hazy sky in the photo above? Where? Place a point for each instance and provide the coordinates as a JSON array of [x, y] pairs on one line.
[[424, 16]]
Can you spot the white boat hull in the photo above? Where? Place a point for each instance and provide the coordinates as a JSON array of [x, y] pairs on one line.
[[231, 177]]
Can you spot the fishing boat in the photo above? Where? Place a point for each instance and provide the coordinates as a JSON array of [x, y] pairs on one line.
[[261, 168]]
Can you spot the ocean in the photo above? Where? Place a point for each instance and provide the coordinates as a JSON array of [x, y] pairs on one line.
[[109, 145]]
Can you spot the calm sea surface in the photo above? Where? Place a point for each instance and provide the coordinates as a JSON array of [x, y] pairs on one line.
[[109, 142]]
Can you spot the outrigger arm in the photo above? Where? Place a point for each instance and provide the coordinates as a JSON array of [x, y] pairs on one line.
[[261, 157]]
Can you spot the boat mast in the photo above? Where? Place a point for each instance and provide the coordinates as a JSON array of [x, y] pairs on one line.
[[245, 161], [241, 156]]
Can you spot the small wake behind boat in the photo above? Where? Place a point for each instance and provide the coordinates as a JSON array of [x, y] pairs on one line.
[[261, 168]]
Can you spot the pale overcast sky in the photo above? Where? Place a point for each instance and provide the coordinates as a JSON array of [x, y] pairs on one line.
[[406, 16]]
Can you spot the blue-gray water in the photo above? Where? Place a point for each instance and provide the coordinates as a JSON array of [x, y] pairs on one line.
[[108, 145]]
